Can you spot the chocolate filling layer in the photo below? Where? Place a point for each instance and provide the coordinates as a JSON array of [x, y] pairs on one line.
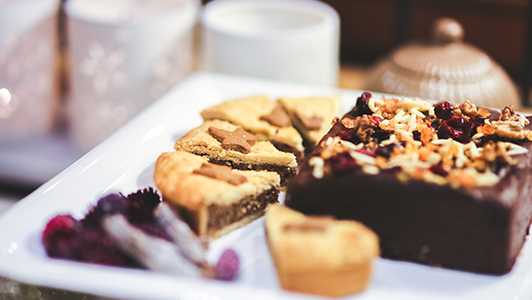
[[220, 216]]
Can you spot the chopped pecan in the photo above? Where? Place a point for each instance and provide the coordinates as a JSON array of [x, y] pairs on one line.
[[508, 114], [364, 127], [511, 130], [469, 109]]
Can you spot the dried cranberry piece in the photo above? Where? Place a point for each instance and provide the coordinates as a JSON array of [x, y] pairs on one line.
[[108, 205], [95, 246], [456, 122], [342, 162], [59, 237], [362, 104], [385, 151], [443, 110], [439, 170], [445, 131], [459, 129], [227, 267], [346, 134], [417, 135], [376, 119], [349, 135]]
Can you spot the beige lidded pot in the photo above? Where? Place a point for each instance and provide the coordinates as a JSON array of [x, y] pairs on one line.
[[444, 69]]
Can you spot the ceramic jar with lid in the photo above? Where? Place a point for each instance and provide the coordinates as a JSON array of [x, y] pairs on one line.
[[444, 69]]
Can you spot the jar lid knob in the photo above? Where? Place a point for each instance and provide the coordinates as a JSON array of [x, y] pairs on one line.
[[446, 31]]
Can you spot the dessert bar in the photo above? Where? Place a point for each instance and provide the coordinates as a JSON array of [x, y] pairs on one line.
[[263, 117], [226, 144], [213, 199], [444, 185], [320, 255]]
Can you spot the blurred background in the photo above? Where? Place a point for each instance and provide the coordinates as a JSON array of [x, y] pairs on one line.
[[74, 71], [68, 71]]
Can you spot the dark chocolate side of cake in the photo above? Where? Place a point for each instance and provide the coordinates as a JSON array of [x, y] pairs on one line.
[[478, 230]]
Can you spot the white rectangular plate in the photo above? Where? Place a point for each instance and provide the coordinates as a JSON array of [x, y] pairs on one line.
[[124, 163]]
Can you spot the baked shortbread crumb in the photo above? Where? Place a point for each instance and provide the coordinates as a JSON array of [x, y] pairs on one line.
[[262, 155], [318, 110], [250, 112], [213, 207], [320, 255]]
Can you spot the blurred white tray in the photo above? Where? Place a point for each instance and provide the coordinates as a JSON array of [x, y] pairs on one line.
[[124, 163]]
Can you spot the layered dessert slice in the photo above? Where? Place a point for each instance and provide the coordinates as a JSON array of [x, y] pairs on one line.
[[312, 116], [213, 199], [444, 185], [320, 255], [226, 144], [262, 117]]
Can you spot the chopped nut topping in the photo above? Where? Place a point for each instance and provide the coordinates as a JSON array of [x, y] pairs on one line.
[[508, 114], [489, 152], [317, 163], [365, 127], [442, 143], [469, 109], [511, 130]]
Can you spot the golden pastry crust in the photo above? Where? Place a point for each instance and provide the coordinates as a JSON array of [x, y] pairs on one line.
[[318, 255], [263, 155], [247, 112], [324, 107], [193, 194]]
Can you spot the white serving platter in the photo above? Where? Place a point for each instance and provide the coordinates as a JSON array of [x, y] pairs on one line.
[[124, 163]]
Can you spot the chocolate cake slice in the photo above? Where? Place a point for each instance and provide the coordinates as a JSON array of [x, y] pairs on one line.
[[444, 185], [213, 199]]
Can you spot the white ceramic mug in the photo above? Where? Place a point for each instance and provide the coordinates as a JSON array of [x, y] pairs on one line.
[[291, 40], [28, 70], [124, 54]]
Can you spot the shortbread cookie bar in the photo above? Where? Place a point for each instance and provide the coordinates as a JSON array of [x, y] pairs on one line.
[[213, 199], [227, 144], [262, 117]]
